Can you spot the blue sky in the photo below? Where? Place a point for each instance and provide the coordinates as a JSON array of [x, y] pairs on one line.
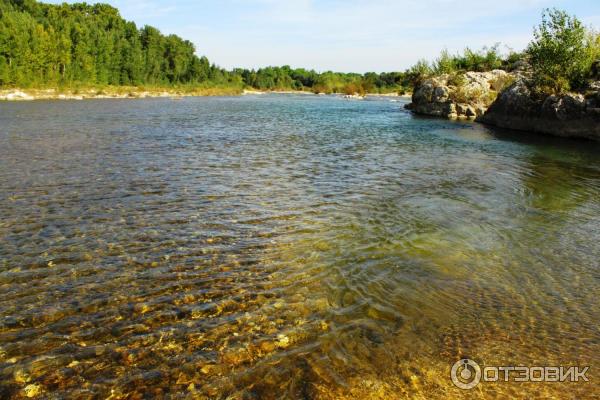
[[344, 35]]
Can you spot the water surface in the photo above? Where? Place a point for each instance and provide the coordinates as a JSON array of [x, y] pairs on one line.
[[268, 247]]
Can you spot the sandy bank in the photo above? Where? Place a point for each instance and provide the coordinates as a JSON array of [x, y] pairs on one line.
[[109, 93], [137, 93]]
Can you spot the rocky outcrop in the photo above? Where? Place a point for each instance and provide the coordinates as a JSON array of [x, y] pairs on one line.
[[474, 95], [567, 115], [459, 96]]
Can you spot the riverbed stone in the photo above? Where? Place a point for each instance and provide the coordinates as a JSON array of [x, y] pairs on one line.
[[32, 390]]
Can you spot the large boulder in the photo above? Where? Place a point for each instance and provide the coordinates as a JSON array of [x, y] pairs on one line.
[[463, 96], [431, 98], [567, 115]]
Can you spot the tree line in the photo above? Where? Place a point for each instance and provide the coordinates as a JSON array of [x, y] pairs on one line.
[[82, 44], [286, 78], [45, 45]]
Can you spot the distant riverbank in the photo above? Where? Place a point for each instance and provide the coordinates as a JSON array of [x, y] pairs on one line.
[[259, 92], [116, 92], [125, 92]]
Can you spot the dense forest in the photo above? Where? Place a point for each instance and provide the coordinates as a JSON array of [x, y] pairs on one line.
[[44, 45], [82, 45]]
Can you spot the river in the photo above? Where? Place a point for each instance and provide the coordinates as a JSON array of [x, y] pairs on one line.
[[289, 246]]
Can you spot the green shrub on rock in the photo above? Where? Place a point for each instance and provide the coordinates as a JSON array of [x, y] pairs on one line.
[[561, 54], [457, 80]]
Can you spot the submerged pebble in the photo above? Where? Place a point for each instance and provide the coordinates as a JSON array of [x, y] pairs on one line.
[[32, 390]]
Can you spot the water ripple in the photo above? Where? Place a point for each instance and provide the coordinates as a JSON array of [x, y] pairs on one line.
[[287, 247]]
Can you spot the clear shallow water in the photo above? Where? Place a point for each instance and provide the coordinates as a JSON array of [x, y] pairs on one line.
[[288, 247]]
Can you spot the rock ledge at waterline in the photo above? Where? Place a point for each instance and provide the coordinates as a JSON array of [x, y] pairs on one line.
[[464, 96], [567, 115], [505, 100]]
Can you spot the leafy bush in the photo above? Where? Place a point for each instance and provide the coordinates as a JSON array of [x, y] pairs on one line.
[[501, 82], [472, 95], [458, 80], [445, 63], [418, 72], [353, 88], [486, 59], [463, 94], [561, 54], [512, 60], [594, 40]]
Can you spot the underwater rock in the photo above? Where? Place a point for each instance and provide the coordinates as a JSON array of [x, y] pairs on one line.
[[268, 346], [282, 341], [33, 390]]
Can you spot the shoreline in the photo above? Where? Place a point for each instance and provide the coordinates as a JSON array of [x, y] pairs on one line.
[[304, 92], [117, 92], [132, 93]]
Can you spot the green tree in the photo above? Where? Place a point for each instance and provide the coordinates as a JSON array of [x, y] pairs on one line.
[[421, 70], [561, 54], [445, 63]]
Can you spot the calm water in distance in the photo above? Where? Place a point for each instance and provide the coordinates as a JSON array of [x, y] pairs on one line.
[[269, 247]]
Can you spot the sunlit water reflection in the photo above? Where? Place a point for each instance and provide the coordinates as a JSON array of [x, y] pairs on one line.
[[288, 247]]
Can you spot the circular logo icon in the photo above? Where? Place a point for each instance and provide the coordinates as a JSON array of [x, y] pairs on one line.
[[465, 374]]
